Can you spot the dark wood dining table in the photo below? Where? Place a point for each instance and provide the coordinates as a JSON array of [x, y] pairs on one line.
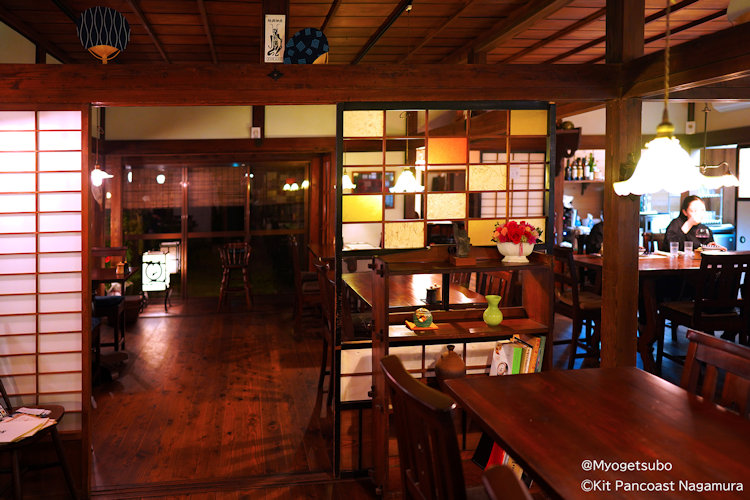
[[110, 275], [650, 268], [409, 290], [567, 427]]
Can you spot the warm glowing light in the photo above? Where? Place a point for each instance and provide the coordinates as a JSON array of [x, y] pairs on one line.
[[346, 182], [407, 183], [98, 175], [160, 179], [109, 195], [305, 184], [294, 187], [130, 176]]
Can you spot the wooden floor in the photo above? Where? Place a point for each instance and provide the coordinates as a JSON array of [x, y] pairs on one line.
[[215, 406]]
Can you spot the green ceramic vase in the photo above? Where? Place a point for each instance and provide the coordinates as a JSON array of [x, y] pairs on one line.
[[493, 316]]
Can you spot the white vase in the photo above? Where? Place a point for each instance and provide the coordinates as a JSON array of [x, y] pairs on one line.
[[513, 252]]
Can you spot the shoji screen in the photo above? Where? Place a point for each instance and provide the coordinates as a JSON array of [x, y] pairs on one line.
[[41, 296]]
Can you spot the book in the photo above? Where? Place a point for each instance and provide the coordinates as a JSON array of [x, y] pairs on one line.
[[535, 342], [542, 342], [20, 426], [506, 358]]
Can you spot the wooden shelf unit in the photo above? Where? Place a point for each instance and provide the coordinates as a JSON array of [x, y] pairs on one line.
[[533, 317]]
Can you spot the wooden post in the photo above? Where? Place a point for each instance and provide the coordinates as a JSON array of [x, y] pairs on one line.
[[115, 185], [625, 22]]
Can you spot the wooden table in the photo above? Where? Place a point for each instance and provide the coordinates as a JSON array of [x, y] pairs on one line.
[[552, 422], [109, 275], [409, 290], [650, 267]]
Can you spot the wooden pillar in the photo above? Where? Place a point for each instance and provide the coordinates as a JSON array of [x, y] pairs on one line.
[[625, 22], [115, 187]]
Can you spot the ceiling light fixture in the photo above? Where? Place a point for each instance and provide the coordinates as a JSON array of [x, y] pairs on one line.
[[346, 182], [407, 183], [98, 175], [664, 165]]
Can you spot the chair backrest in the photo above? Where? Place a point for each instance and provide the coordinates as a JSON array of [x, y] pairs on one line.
[[462, 279], [235, 254], [502, 484], [496, 283], [566, 275], [8, 406], [718, 305], [653, 241], [428, 450], [709, 359]]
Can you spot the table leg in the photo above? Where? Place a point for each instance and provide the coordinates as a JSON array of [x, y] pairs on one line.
[[648, 325]]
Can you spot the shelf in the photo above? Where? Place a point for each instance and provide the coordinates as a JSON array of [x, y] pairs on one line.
[[595, 181], [465, 331]]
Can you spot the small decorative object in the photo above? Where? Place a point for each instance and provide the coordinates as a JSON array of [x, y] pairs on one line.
[[492, 316], [307, 46], [449, 365], [120, 270], [461, 237], [433, 294], [104, 32], [422, 317], [516, 240]]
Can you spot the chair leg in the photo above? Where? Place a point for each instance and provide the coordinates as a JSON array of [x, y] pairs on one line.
[[660, 326], [329, 398], [574, 336], [246, 282], [63, 463], [323, 365], [222, 290]]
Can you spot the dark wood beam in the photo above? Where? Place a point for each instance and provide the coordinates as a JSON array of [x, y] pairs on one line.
[[678, 29], [207, 29], [237, 84], [739, 135], [730, 90], [16, 24], [567, 109], [597, 41], [720, 56], [147, 26], [521, 19], [619, 328], [218, 148], [573, 27], [67, 10], [331, 12], [435, 31], [397, 11]]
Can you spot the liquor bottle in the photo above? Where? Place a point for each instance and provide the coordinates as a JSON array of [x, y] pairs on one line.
[[567, 169]]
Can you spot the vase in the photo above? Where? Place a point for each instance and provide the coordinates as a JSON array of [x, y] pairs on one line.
[[515, 252], [493, 316], [449, 365]]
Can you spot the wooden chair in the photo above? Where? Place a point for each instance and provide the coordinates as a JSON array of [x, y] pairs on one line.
[[111, 307], [328, 308], [502, 484], [653, 241], [584, 307], [717, 305], [710, 359], [428, 451], [462, 279], [56, 413], [235, 257], [306, 286], [495, 283]]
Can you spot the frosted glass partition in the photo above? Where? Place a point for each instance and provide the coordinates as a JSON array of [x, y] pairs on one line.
[[41, 260]]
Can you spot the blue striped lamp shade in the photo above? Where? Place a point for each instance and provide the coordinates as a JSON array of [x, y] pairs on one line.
[[307, 46], [104, 32]]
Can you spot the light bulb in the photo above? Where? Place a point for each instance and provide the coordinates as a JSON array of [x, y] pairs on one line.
[[160, 179]]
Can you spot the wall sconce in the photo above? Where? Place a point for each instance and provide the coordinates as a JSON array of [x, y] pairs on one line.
[[664, 164], [161, 178], [98, 175]]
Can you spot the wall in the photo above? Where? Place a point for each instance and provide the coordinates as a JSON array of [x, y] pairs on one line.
[[15, 48], [178, 122]]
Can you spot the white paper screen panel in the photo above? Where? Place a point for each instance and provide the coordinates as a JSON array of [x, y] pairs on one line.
[[15, 203], [41, 289]]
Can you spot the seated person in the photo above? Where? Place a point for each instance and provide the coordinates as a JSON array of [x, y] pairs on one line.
[[685, 227], [595, 239]]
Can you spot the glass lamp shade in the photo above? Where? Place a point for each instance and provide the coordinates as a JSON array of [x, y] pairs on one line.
[[665, 166], [407, 183], [98, 175], [346, 182]]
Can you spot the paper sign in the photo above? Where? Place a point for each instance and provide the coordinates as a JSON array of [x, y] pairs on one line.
[[273, 51]]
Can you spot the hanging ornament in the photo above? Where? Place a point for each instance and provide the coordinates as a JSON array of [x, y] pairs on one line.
[[104, 32]]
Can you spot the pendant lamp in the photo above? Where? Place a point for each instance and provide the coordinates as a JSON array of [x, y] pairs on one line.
[[407, 183], [104, 32], [664, 165]]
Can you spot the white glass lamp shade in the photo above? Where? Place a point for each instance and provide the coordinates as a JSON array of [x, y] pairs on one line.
[[305, 184], [665, 166], [346, 182], [98, 175], [172, 249], [155, 276], [294, 187], [407, 183]]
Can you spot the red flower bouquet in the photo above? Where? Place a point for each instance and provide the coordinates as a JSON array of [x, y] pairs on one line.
[[516, 232]]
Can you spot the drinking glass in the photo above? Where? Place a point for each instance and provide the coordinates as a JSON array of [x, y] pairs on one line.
[[703, 235], [688, 249], [674, 248]]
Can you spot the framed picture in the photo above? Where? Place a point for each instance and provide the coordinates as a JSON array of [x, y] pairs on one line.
[[274, 38]]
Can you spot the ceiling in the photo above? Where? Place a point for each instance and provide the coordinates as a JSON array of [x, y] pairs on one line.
[[434, 31]]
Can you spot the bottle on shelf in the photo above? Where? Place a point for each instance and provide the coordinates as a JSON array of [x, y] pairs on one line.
[[567, 169]]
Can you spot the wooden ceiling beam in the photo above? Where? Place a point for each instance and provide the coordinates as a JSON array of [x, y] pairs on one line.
[[331, 13], [573, 27], [397, 11], [567, 109], [219, 148], [147, 26], [207, 29], [521, 19], [433, 33], [728, 91], [16, 24], [720, 56], [597, 41], [250, 84]]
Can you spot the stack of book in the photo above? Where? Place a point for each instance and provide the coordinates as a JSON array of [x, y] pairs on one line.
[[23, 423]]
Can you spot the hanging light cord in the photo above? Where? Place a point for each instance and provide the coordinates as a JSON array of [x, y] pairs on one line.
[[666, 59]]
